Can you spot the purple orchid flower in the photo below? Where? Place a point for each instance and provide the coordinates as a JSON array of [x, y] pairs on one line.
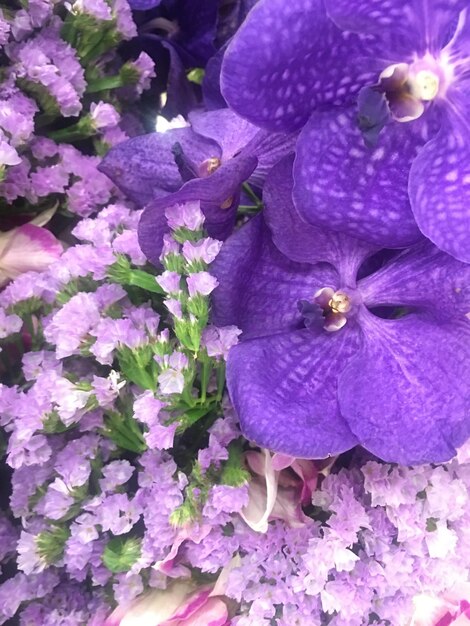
[[317, 370], [407, 66], [206, 162]]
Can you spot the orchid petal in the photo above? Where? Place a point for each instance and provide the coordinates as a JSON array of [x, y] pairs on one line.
[[439, 189], [404, 28], [405, 394], [288, 59], [284, 389], [340, 183], [421, 277], [259, 288], [301, 241]]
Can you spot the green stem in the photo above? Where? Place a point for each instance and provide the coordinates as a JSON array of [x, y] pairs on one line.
[[251, 194], [80, 130], [204, 379], [220, 381], [107, 82], [144, 280]]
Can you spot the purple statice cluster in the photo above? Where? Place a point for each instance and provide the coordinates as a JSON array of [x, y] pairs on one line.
[[106, 386], [64, 100]]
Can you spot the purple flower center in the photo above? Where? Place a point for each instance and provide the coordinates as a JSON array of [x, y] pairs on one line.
[[407, 87], [330, 308], [209, 166]]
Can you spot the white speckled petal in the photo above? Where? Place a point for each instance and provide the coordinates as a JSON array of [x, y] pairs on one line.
[[424, 278], [288, 59], [342, 184], [440, 189], [284, 389], [406, 395], [405, 27]]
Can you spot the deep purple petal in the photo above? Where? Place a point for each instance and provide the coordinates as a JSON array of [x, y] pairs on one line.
[[144, 167], [287, 59], [405, 27], [406, 395], [143, 5], [226, 128], [181, 98], [342, 184], [440, 188], [301, 241], [196, 20], [284, 389], [213, 192], [213, 99], [269, 148], [259, 288], [421, 277]]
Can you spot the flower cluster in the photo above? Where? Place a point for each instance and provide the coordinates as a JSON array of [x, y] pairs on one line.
[[59, 86], [235, 352]]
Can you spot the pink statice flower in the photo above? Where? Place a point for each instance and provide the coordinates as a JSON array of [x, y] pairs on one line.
[[201, 283], [103, 115]]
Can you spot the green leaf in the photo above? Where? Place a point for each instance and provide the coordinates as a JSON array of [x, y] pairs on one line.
[[121, 553]]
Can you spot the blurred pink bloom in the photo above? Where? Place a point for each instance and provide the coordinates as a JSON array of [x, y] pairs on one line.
[[451, 609], [182, 603], [27, 248], [279, 487]]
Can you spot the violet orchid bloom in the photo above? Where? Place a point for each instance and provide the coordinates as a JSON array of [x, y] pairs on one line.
[[406, 63], [206, 162], [317, 371]]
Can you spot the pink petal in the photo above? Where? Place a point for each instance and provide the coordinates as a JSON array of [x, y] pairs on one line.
[[262, 492], [255, 461], [307, 471], [155, 608], [29, 248], [188, 607], [213, 613], [428, 610], [195, 533]]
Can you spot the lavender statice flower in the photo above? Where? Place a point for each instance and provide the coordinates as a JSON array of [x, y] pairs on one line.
[[405, 65], [50, 62], [321, 366]]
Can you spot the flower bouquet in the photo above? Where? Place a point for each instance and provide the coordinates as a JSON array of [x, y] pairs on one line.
[[234, 316]]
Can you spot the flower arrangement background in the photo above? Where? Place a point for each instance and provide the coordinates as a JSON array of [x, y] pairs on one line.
[[235, 350]]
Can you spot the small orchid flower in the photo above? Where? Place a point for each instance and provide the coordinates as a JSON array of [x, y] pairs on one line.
[[207, 162], [341, 345], [380, 90]]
